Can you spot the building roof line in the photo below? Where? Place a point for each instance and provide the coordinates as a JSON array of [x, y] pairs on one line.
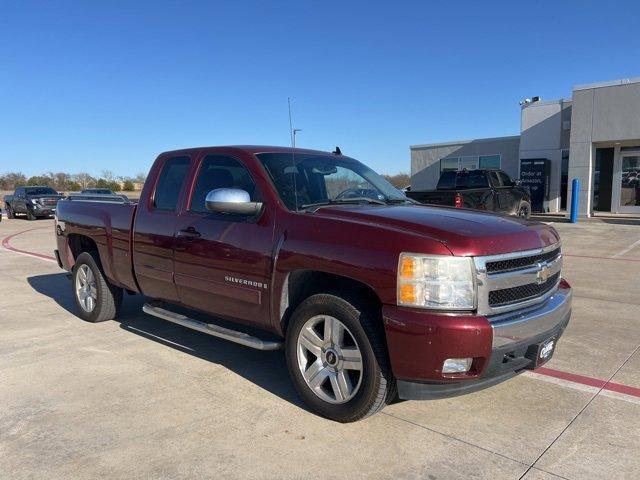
[[610, 83], [463, 142]]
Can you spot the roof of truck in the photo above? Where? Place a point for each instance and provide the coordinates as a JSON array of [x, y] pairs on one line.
[[252, 149]]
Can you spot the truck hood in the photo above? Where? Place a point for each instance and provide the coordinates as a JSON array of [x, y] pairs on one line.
[[464, 232]]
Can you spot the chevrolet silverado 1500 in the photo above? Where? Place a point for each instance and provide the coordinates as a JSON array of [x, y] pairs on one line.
[[371, 295]]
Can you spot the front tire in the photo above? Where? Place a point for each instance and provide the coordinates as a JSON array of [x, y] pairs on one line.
[[30, 214], [10, 214], [524, 210], [97, 300], [337, 357]]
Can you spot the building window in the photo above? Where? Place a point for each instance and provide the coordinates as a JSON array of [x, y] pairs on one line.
[[490, 161], [449, 164], [470, 162]]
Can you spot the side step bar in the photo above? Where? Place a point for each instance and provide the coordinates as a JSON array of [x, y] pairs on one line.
[[210, 329]]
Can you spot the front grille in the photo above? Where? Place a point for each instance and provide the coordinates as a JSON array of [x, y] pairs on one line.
[[499, 266], [521, 293]]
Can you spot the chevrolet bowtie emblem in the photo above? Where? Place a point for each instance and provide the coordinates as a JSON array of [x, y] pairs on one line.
[[543, 273]]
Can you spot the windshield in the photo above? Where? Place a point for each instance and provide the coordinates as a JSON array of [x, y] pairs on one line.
[[41, 191], [303, 179]]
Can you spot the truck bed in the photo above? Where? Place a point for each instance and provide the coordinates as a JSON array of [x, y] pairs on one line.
[[109, 223], [472, 197]]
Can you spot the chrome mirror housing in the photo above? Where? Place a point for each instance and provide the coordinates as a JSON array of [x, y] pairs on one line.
[[233, 201]]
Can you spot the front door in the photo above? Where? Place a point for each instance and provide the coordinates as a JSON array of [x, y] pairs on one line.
[[223, 261], [630, 183]]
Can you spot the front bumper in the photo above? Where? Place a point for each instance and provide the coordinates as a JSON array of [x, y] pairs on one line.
[[39, 209], [501, 346]]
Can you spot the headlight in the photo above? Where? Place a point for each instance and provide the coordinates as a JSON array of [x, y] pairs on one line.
[[438, 282], [34, 201]]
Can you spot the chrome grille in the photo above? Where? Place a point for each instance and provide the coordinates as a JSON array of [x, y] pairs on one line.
[[521, 262], [506, 296], [516, 280]]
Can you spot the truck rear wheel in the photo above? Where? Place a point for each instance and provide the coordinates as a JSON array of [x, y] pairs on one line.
[[337, 358], [97, 300]]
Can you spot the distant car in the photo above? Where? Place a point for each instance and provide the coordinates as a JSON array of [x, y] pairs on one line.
[[34, 202], [98, 191], [102, 191]]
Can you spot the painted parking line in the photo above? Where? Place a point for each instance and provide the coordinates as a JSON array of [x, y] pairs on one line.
[[628, 249], [603, 258], [6, 243]]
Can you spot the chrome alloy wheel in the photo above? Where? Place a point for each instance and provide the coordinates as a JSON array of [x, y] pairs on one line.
[[86, 289], [329, 359]]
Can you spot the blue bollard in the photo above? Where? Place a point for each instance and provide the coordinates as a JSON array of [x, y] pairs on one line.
[[575, 191]]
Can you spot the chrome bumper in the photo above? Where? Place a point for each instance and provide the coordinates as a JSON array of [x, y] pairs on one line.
[[516, 327]]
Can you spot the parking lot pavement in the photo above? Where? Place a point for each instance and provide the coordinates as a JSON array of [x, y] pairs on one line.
[[141, 398]]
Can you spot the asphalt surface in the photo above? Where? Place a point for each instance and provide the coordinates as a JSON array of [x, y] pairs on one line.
[[142, 398]]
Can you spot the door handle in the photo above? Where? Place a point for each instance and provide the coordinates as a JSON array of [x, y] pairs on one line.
[[189, 233]]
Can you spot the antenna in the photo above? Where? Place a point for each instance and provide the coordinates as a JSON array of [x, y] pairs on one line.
[[292, 134]]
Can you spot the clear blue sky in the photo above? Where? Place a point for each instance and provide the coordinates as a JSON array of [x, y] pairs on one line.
[[87, 86]]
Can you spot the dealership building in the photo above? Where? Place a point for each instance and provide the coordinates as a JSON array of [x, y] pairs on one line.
[[593, 137]]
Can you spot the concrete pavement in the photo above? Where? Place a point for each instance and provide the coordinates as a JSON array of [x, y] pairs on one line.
[[141, 398]]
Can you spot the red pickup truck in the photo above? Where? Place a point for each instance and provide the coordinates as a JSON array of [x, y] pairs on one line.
[[371, 295]]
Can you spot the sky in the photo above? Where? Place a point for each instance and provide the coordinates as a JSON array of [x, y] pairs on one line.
[[91, 86]]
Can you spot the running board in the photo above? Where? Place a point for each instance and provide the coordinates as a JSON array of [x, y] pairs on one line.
[[211, 329]]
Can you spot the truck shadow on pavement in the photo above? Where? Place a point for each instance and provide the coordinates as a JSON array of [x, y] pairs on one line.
[[267, 370]]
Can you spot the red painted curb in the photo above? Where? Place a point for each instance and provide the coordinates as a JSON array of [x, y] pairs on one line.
[[6, 244], [589, 381]]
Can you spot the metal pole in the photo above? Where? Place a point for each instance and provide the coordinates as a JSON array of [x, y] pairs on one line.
[[575, 189]]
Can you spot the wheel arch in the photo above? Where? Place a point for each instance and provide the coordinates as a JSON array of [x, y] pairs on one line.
[[301, 284]]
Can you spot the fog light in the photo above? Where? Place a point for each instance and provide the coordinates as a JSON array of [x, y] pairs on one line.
[[456, 365]]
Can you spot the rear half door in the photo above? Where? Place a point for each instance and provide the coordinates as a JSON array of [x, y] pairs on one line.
[[223, 261], [507, 197], [154, 229]]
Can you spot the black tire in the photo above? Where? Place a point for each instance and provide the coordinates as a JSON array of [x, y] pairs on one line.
[[109, 297], [30, 214], [10, 213], [377, 386], [524, 210]]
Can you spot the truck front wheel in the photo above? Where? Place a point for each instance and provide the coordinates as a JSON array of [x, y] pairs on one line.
[[97, 300], [10, 214], [30, 214], [337, 358]]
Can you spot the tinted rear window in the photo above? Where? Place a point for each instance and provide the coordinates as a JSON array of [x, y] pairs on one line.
[[471, 179], [170, 183]]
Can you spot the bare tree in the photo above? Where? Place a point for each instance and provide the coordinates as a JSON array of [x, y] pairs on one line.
[[10, 180], [84, 179], [108, 175]]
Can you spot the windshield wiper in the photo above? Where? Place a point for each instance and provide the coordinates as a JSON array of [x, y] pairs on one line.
[[344, 201], [397, 201]]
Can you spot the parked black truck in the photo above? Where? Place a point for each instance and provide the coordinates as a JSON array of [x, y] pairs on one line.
[[32, 201], [491, 190]]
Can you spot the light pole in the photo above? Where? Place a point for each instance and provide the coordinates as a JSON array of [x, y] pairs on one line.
[[293, 132]]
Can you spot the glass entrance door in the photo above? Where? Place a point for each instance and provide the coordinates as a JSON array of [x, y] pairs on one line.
[[630, 183]]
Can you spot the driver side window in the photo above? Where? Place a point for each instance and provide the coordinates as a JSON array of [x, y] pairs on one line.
[[219, 171]]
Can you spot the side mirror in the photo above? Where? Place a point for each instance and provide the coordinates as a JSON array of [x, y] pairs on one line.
[[233, 201]]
